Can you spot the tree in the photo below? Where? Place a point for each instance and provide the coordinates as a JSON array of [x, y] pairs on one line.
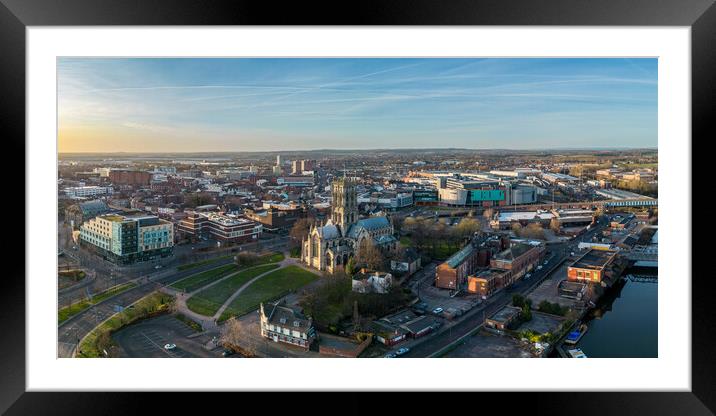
[[299, 231], [488, 213], [518, 300], [554, 225], [369, 255], [350, 266], [247, 258], [234, 333], [467, 227], [356, 316], [526, 314]]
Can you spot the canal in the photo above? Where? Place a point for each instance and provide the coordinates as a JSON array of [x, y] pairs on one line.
[[625, 322]]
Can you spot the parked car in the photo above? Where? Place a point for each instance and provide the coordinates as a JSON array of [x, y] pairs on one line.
[[158, 266], [437, 310], [539, 267], [528, 275], [390, 355], [402, 351], [169, 347], [227, 352]]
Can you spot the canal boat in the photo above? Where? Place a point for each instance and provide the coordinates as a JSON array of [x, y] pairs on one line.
[[574, 336], [576, 353]]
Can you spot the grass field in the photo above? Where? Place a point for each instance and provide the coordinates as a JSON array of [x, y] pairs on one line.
[[203, 262], [267, 288], [209, 300], [69, 311], [199, 280]]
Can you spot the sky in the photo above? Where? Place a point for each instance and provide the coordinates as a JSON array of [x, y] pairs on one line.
[[281, 104]]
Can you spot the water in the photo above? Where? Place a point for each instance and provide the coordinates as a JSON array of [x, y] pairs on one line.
[[624, 324]]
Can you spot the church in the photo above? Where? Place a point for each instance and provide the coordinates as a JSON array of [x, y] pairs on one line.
[[329, 246]]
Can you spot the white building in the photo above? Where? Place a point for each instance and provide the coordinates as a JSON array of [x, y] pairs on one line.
[[372, 282], [88, 191]]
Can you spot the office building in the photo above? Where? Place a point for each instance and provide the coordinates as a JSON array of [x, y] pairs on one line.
[[127, 239], [220, 227]]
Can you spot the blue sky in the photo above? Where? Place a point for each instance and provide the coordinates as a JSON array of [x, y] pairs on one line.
[[160, 104]]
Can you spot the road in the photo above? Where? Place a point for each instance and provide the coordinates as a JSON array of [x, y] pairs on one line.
[[431, 344], [76, 327], [104, 274]]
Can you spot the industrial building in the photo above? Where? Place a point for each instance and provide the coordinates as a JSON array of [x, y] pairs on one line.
[[453, 273], [387, 200], [592, 267]]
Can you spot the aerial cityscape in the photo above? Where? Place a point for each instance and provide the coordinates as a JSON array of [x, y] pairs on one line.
[[357, 208]]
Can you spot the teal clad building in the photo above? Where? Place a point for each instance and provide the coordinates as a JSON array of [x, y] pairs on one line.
[[128, 239]]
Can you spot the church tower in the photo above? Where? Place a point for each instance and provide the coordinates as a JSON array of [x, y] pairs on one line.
[[344, 209]]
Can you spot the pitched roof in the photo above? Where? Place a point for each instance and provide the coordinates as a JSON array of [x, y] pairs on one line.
[[286, 316], [372, 223], [329, 231]]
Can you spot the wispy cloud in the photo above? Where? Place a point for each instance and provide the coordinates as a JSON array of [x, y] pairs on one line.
[[403, 101]]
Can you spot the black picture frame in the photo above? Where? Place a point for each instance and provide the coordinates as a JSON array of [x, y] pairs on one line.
[[16, 15]]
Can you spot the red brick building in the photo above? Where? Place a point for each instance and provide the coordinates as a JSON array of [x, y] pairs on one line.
[[453, 273], [592, 266], [129, 177]]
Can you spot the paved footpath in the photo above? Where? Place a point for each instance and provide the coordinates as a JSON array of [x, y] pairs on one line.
[[209, 323]]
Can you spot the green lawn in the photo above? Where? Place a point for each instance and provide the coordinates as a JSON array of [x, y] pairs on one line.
[[196, 281], [406, 241], [69, 311], [203, 262], [268, 288], [209, 300]]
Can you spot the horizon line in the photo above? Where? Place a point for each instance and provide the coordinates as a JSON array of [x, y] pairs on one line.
[[360, 149]]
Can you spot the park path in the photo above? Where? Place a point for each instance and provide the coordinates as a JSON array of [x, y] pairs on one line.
[[209, 323], [283, 264]]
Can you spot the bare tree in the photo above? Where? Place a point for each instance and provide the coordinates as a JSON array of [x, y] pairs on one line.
[[235, 333], [554, 225], [488, 213], [299, 231], [370, 256]]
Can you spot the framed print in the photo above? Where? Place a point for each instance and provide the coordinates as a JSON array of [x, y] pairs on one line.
[[425, 198]]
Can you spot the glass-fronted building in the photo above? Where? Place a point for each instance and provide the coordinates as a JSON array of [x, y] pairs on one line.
[[128, 239]]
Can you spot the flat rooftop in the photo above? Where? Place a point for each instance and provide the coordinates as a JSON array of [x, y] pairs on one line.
[[524, 216], [505, 314], [594, 259]]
